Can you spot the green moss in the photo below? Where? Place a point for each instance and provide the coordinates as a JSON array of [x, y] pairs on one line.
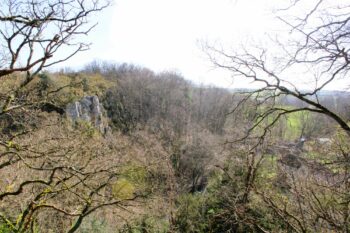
[[123, 189], [136, 174], [133, 178]]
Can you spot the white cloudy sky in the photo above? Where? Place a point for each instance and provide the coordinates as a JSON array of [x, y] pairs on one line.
[[166, 34]]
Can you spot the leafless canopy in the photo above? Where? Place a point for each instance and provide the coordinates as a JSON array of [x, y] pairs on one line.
[[316, 47], [32, 31]]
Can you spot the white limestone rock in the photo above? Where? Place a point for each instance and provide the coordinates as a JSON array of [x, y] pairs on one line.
[[88, 109]]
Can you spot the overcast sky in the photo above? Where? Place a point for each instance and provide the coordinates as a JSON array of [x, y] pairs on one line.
[[167, 34]]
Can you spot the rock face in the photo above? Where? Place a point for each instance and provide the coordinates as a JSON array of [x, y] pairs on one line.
[[88, 109]]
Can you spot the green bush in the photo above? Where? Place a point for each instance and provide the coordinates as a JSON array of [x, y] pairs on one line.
[[5, 229], [192, 213]]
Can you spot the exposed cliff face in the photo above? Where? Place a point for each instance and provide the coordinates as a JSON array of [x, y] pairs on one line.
[[88, 109]]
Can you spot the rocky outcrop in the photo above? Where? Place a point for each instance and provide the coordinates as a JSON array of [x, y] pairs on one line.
[[88, 109]]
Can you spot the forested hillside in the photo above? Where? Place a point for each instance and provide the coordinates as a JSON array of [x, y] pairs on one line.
[[167, 162], [120, 148]]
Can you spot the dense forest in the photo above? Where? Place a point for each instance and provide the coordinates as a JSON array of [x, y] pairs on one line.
[[120, 148]]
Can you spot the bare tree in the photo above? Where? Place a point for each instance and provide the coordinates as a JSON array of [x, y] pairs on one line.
[[318, 43], [36, 34], [316, 49], [55, 177]]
